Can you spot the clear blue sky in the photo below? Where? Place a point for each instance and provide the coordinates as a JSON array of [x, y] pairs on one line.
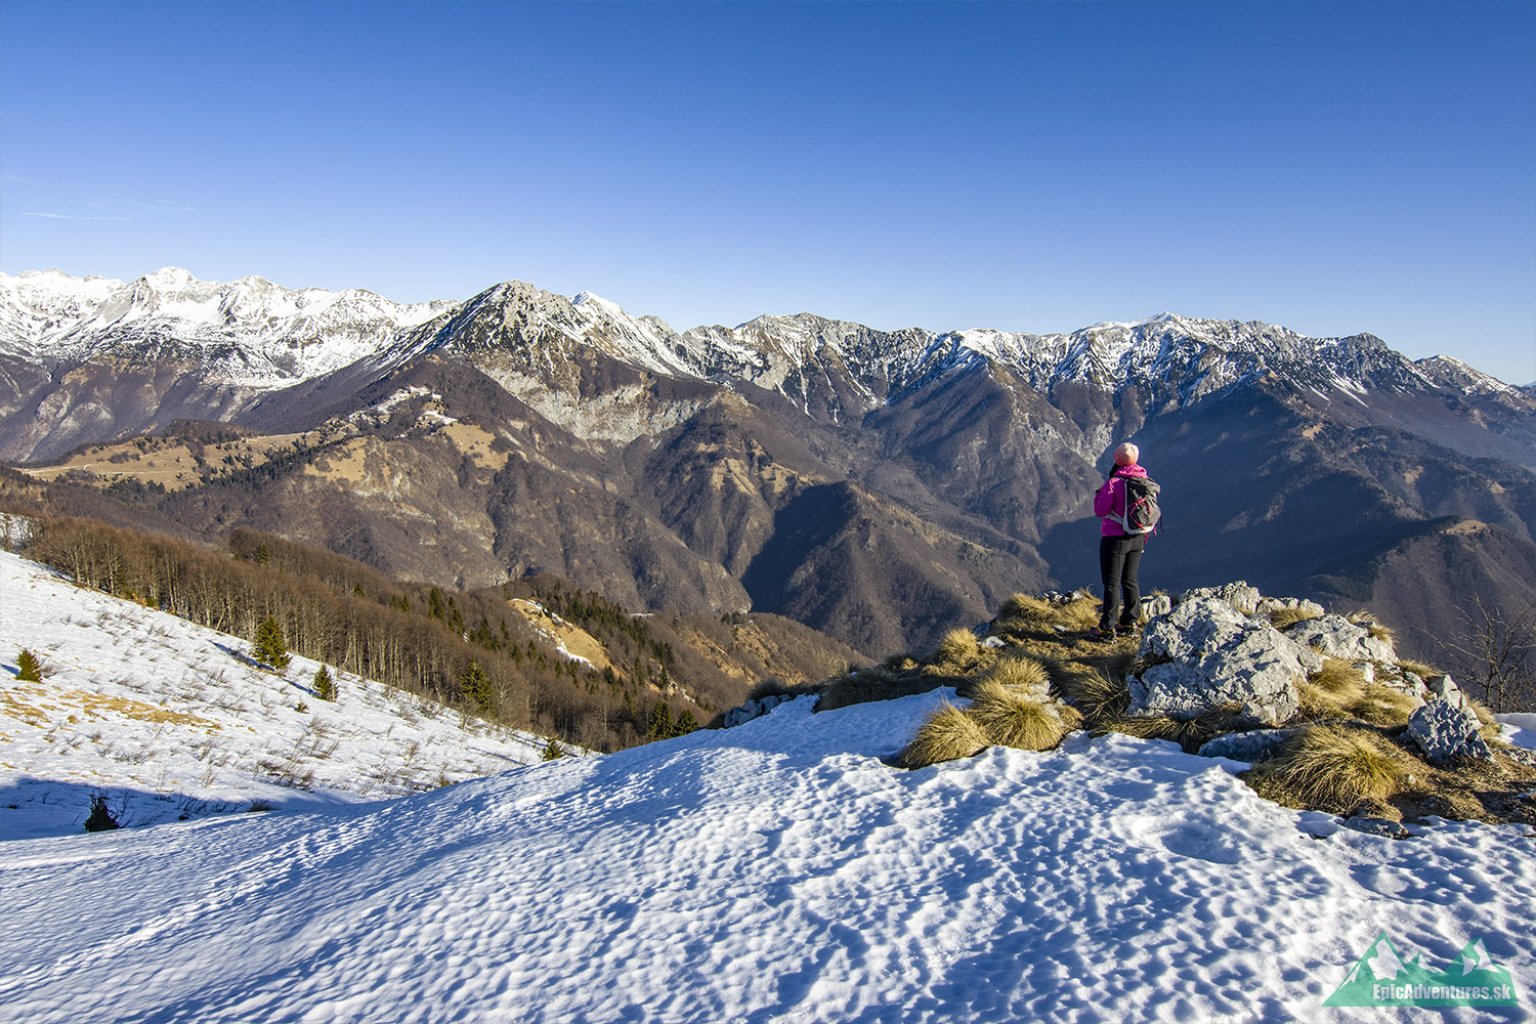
[[1335, 167]]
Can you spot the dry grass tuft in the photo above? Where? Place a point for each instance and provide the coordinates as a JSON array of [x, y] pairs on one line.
[[958, 648], [1383, 706], [1092, 691], [1332, 691], [948, 735], [1019, 672], [1282, 618], [1023, 612], [1418, 668], [1338, 677], [1376, 629], [1333, 769], [1013, 719]]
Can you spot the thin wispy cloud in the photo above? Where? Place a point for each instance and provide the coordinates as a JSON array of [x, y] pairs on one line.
[[47, 215], [116, 209]]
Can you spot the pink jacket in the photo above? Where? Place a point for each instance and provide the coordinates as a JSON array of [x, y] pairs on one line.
[[1111, 498]]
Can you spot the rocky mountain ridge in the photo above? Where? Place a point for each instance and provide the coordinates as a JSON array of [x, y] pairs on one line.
[[878, 485], [254, 334]]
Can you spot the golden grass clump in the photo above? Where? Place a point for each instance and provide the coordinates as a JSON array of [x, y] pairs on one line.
[[1013, 719], [1283, 618], [1418, 668], [1383, 706], [1331, 691], [1376, 629], [1022, 609], [947, 735], [1024, 612], [1333, 769], [1020, 673], [959, 647]]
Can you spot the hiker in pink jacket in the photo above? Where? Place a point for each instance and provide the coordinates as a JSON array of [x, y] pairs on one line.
[[1119, 551]]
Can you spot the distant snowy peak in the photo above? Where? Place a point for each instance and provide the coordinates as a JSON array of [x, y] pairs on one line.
[[249, 332], [1447, 371]]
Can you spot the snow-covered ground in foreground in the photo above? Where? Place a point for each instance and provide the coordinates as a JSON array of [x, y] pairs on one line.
[[171, 720], [775, 872]]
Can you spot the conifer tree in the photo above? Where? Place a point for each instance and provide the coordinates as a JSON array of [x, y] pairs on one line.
[[661, 722], [552, 750], [270, 646], [476, 686], [28, 668], [323, 684], [685, 724]]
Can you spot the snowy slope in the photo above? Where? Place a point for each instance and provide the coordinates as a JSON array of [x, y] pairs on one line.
[[169, 719], [776, 872]]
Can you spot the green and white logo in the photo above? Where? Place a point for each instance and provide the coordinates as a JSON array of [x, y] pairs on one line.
[[1383, 978]]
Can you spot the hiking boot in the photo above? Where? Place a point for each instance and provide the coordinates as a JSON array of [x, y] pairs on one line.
[[1126, 630], [1100, 633]]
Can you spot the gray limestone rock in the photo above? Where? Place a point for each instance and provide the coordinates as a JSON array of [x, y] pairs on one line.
[[1446, 729], [1270, 605], [1243, 598], [753, 709], [1206, 654], [1258, 745], [1337, 637]]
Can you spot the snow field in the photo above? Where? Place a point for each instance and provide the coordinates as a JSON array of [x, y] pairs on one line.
[[171, 720], [775, 872]]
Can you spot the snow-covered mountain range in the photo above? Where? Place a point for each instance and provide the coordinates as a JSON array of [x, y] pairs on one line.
[[255, 334], [249, 333]]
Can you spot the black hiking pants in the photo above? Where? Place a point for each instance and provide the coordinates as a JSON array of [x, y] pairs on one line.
[[1119, 559]]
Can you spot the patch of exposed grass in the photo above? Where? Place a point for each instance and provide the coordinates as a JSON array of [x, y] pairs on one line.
[[877, 683], [1376, 629], [1331, 691], [1025, 613], [1383, 706], [1011, 718], [1018, 672], [1333, 769], [1282, 618], [959, 651], [947, 735], [772, 686], [1418, 668], [1092, 691]]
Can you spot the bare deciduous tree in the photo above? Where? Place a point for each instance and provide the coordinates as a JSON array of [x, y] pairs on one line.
[[1500, 646]]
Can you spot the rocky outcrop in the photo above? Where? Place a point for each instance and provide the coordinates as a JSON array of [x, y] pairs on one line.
[[1207, 655], [1446, 729]]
